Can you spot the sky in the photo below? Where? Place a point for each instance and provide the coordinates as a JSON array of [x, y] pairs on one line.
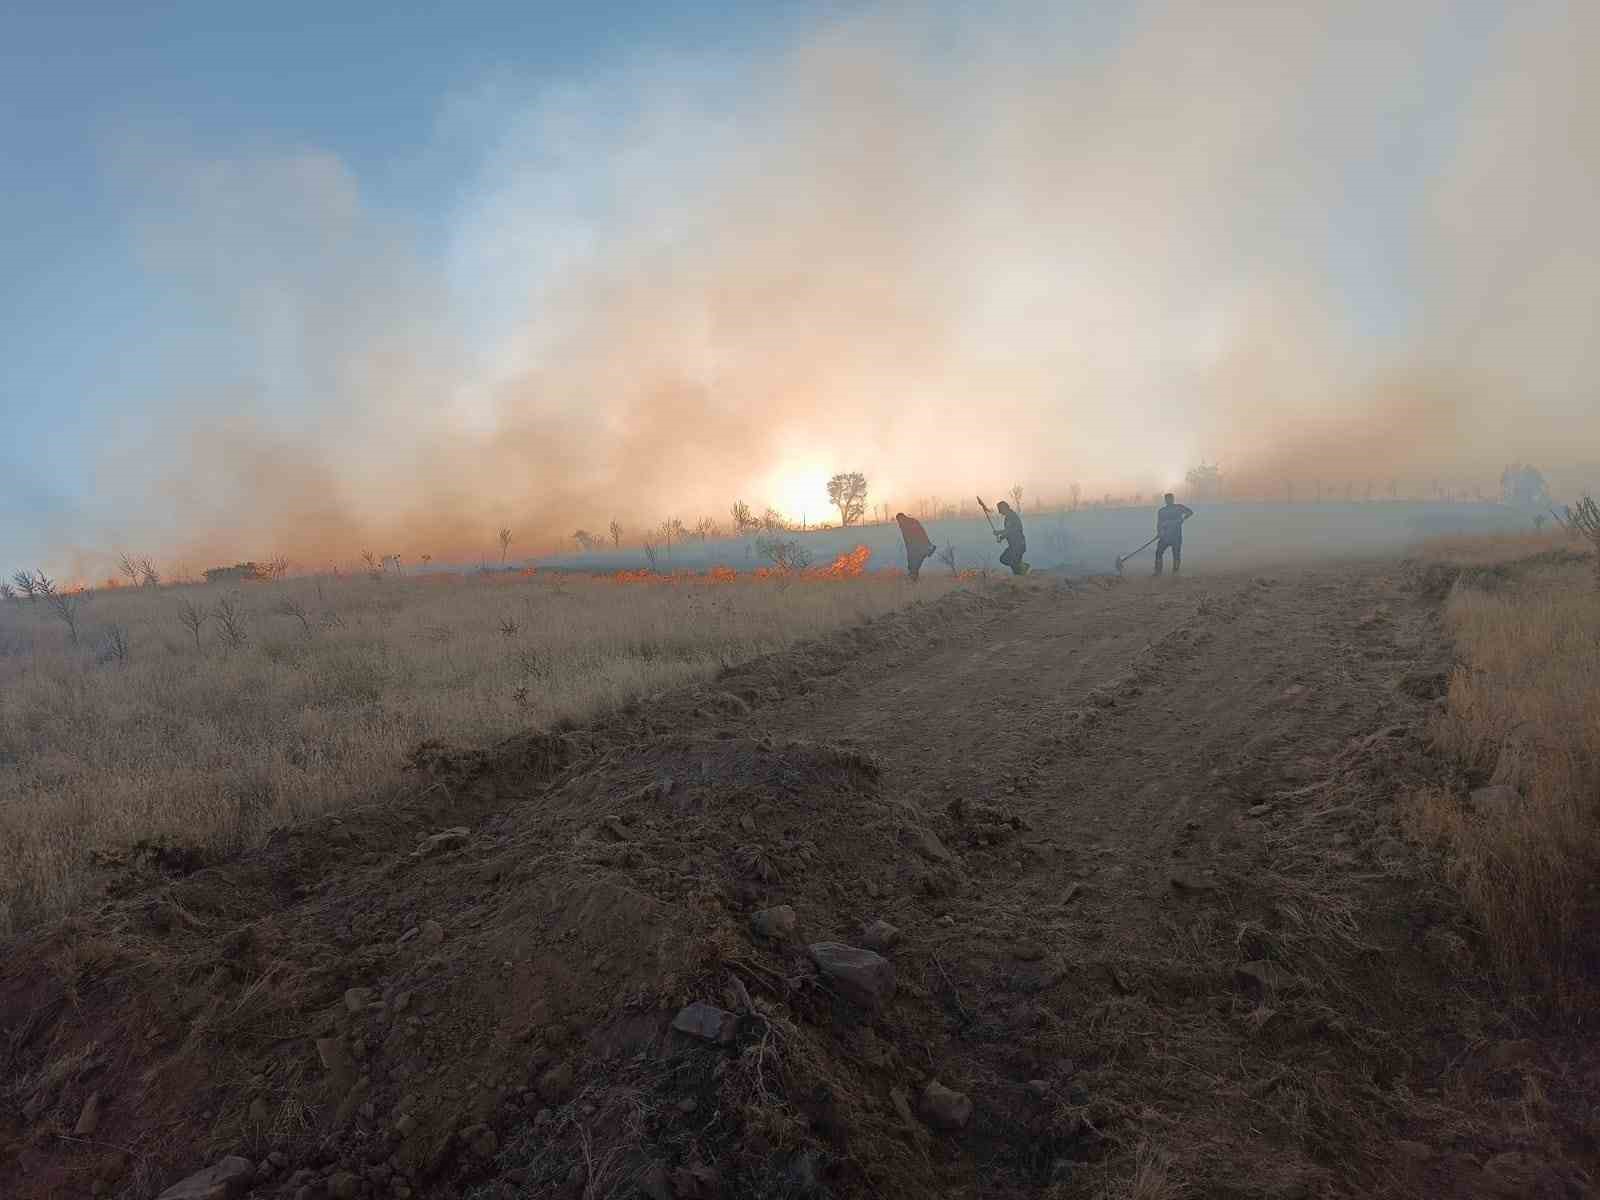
[[315, 279]]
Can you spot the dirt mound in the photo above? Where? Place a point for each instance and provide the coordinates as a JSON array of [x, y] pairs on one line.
[[426, 1000], [1033, 891]]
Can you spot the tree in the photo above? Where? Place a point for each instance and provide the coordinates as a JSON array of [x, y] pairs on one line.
[[1076, 497], [744, 521], [1016, 496], [26, 585], [1524, 486], [1205, 481], [586, 540], [616, 535], [847, 491], [505, 543], [706, 527], [1584, 518]]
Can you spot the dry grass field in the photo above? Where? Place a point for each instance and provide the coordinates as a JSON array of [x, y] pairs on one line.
[[1523, 715], [211, 741]]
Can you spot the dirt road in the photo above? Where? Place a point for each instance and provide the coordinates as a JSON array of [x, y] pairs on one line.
[[1155, 921]]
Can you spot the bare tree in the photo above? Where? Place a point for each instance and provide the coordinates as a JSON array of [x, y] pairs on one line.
[[64, 605], [116, 647], [290, 607], [505, 543], [1076, 493], [26, 585], [743, 519], [773, 521], [586, 540], [426, 559], [615, 529], [192, 617], [374, 571], [650, 553], [786, 554], [706, 527], [847, 491], [129, 566], [7, 592], [1584, 518], [1016, 496], [948, 557], [230, 616]]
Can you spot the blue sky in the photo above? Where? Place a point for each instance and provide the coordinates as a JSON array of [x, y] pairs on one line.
[[86, 329], [195, 193]]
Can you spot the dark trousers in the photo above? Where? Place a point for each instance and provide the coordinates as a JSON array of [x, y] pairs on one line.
[[1013, 558], [1176, 546], [914, 561]]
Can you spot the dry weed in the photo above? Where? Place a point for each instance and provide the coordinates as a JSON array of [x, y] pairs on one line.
[[1523, 716], [241, 714]]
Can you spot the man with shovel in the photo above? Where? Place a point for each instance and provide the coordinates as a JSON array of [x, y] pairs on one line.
[[1012, 536], [1169, 531]]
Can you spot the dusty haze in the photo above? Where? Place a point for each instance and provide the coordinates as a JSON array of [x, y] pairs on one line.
[[1348, 241]]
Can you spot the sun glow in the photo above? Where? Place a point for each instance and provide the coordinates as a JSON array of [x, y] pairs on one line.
[[799, 492]]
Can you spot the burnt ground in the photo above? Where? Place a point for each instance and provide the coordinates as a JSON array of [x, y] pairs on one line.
[[1157, 922]]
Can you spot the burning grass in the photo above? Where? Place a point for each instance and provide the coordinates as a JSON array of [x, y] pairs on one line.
[[1523, 716], [310, 695]]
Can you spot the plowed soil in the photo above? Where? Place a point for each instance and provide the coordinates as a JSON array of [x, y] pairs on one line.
[[1156, 922]]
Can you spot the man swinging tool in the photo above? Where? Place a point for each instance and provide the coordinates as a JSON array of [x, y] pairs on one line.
[[918, 547], [1169, 531], [1012, 536]]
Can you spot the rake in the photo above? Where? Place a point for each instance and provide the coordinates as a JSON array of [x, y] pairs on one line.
[[1122, 558]]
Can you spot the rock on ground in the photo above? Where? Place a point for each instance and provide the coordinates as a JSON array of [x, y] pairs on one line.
[[945, 1109], [706, 1022], [861, 976], [221, 1181]]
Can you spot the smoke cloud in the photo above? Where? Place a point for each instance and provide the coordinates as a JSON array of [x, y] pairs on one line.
[[1320, 241]]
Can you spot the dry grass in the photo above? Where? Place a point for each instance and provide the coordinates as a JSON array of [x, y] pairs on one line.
[[1524, 712], [311, 694], [1497, 549]]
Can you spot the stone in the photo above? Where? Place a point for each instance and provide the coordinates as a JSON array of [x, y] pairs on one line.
[[406, 1125], [1261, 976], [747, 823], [224, 1180], [1502, 1056], [260, 1112], [945, 1109], [448, 839], [1413, 1153], [926, 843], [860, 976], [344, 1185], [706, 1022], [480, 1139], [1191, 881], [880, 936], [431, 933], [89, 1117], [357, 998], [556, 1083], [696, 1182], [776, 923], [1038, 1088], [1497, 800], [1390, 850], [1259, 810], [656, 1183], [1517, 1175]]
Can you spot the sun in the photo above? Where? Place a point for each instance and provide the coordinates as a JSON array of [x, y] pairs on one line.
[[799, 492]]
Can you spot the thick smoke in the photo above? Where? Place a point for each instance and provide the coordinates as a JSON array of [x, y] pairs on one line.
[[1319, 241]]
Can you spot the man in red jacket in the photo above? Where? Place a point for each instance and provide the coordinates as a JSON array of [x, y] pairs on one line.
[[918, 547]]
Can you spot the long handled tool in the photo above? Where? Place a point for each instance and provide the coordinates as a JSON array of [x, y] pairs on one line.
[[987, 515], [1122, 558]]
